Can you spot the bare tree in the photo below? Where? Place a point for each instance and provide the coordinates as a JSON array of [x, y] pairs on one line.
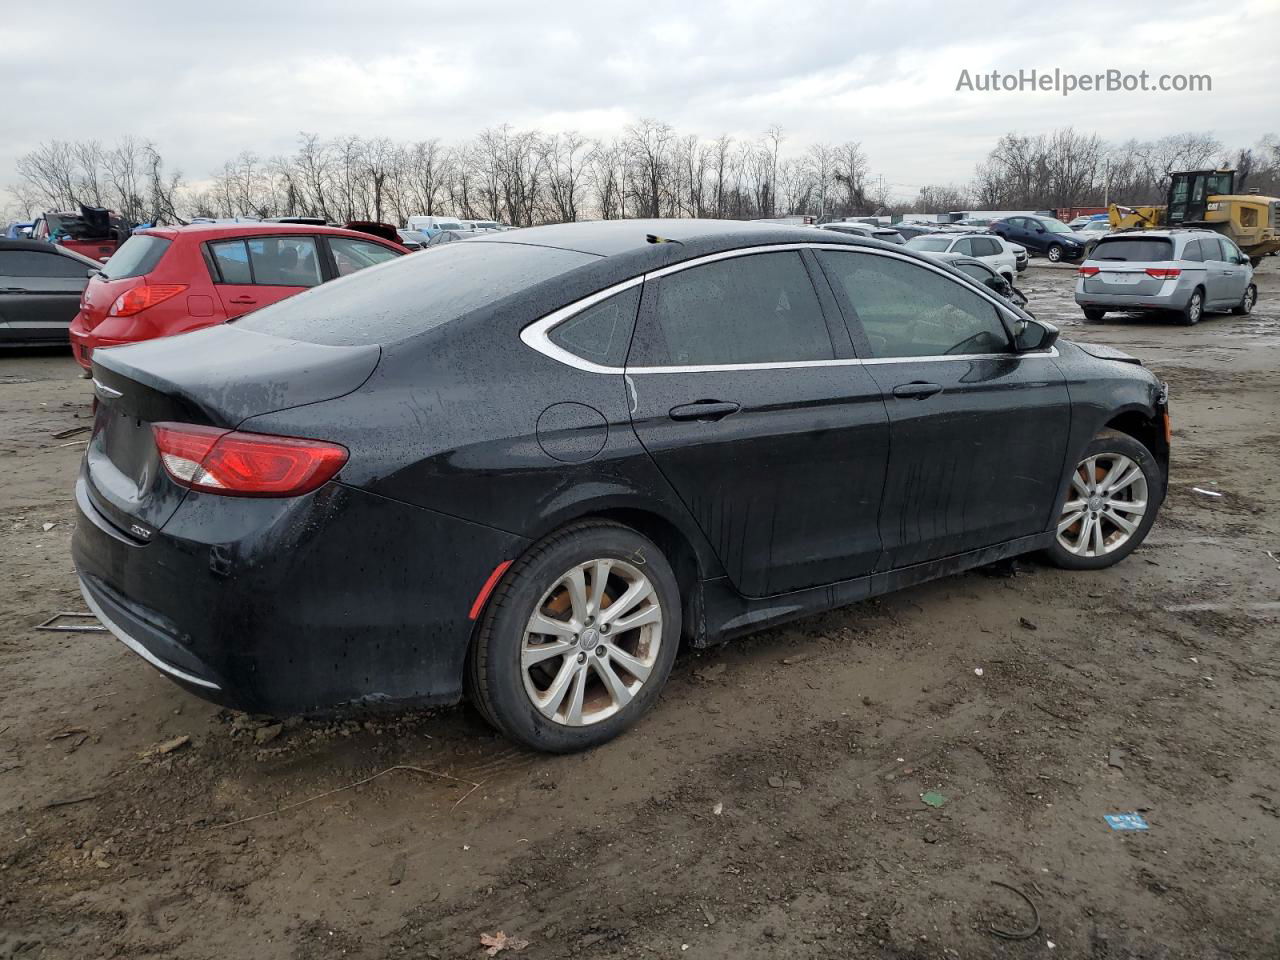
[[648, 144]]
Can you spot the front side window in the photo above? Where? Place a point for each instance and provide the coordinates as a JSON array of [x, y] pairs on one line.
[[37, 263], [352, 255], [1229, 250], [759, 308], [907, 310], [602, 332]]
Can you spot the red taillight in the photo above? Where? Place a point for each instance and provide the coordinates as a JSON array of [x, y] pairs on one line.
[[1164, 273], [140, 298], [245, 464], [1088, 271]]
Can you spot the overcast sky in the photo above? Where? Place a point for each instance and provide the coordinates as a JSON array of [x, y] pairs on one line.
[[205, 81]]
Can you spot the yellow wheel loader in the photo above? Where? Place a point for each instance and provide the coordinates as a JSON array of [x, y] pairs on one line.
[[1206, 198]]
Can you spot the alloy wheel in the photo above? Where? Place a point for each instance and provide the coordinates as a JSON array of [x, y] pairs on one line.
[[1250, 295], [591, 642], [1108, 501], [1195, 307], [1055, 253]]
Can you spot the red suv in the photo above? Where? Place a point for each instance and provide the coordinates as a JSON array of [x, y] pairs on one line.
[[169, 280]]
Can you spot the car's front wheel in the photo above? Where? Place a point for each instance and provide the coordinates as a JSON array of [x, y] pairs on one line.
[[1054, 253], [1110, 504], [578, 638]]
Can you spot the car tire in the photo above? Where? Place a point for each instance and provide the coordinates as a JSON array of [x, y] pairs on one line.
[[582, 693], [1245, 307], [1054, 253], [1075, 545], [1194, 309], [1094, 315]]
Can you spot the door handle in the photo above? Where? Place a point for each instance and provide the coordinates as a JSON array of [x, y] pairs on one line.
[[244, 300], [918, 390], [704, 410]]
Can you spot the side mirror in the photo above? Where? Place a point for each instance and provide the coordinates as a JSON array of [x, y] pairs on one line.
[[1030, 335], [1039, 229], [1242, 260]]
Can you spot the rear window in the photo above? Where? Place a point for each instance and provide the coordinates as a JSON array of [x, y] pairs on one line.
[[137, 256], [396, 300], [932, 244], [1133, 249]]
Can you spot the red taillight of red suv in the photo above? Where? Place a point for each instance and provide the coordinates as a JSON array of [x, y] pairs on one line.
[[141, 297], [214, 460], [1088, 271], [1164, 273]]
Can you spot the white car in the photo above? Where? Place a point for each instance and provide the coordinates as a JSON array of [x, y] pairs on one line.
[[433, 225], [997, 253]]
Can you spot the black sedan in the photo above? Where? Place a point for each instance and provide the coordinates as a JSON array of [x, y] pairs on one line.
[[530, 469], [40, 289]]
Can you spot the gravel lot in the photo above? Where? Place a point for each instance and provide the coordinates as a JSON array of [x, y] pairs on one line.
[[771, 805]]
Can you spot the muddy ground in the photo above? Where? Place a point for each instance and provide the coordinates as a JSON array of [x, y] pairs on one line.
[[770, 806]]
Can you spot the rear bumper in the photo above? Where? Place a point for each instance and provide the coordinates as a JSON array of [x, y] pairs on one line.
[[1176, 300], [83, 342], [337, 599]]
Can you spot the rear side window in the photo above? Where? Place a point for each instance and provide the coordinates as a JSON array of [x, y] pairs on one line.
[[352, 255], [908, 310], [601, 333], [37, 263], [1133, 249], [413, 294], [985, 247], [284, 261], [137, 256], [1193, 252], [760, 308], [978, 272], [232, 260]]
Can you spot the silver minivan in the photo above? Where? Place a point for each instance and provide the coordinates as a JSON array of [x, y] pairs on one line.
[[1188, 272]]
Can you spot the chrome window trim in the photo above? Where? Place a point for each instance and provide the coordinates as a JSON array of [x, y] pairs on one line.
[[536, 335]]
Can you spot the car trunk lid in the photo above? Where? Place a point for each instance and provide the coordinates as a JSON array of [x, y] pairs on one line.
[[217, 377]]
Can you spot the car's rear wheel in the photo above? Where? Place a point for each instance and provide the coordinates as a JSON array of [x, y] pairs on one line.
[[1093, 314], [1245, 306], [1194, 309], [578, 638], [1054, 253], [1110, 504]]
